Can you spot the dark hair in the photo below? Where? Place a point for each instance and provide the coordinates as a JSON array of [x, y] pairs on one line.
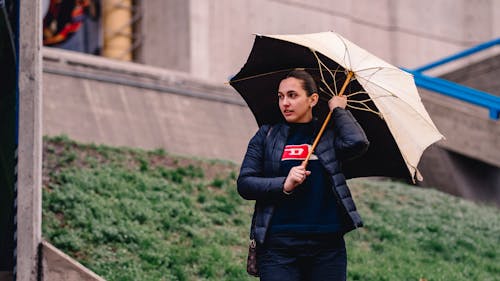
[[308, 83]]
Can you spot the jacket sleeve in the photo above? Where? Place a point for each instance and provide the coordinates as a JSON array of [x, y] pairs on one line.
[[350, 140], [252, 182]]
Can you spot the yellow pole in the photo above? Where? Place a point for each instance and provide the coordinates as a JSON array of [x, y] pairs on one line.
[[327, 119], [117, 22]]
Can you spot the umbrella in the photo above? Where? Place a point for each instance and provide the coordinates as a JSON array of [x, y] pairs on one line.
[[382, 97]]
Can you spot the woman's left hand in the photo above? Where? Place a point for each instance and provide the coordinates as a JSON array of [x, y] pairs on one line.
[[337, 101], [296, 176]]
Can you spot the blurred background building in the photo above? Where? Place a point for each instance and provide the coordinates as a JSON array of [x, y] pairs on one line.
[[152, 74]]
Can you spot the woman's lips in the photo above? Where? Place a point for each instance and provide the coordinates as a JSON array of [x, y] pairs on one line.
[[287, 112]]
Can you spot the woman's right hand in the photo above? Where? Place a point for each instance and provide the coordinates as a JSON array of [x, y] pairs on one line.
[[337, 101], [296, 176]]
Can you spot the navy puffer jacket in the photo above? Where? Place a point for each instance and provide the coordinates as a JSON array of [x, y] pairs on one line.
[[258, 179]]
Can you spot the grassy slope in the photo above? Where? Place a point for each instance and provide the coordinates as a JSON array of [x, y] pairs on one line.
[[138, 215]]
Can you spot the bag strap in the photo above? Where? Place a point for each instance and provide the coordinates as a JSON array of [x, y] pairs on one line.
[[252, 227]]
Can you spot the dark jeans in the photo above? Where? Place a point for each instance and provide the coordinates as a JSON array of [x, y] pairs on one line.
[[293, 257]]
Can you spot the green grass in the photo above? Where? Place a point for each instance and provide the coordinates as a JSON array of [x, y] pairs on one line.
[[130, 214], [414, 233]]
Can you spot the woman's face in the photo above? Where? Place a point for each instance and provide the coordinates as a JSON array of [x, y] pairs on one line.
[[294, 103]]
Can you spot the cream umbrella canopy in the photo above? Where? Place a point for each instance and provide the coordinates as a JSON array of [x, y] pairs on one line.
[[377, 90]]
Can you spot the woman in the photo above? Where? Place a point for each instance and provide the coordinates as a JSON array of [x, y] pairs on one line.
[[301, 214]]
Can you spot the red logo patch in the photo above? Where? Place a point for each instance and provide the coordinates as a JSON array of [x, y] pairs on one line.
[[295, 152]]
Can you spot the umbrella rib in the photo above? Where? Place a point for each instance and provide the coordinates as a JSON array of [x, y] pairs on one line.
[[324, 98], [377, 69], [368, 80], [357, 93], [346, 51], [261, 74], [327, 93], [360, 101], [370, 98], [271, 72], [320, 64], [380, 68], [390, 94], [366, 108]]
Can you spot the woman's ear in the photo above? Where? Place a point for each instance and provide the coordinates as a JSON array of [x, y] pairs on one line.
[[314, 99]]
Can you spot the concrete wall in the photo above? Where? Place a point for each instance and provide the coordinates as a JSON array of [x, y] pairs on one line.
[[165, 35], [482, 75], [92, 99], [483, 134], [57, 266], [467, 163], [29, 166], [461, 176], [211, 39], [467, 128]]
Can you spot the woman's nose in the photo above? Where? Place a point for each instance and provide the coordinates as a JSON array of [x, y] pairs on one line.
[[285, 101]]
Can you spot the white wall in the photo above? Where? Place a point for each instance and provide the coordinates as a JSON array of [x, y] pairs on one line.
[[405, 33]]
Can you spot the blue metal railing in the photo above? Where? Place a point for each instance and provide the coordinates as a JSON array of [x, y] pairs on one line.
[[461, 92]]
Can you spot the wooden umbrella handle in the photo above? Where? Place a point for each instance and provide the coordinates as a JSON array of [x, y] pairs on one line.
[[327, 119]]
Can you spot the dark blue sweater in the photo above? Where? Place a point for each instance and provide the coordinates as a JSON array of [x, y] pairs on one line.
[[312, 207]]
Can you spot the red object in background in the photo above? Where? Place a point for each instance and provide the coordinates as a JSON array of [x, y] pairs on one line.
[[64, 18]]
